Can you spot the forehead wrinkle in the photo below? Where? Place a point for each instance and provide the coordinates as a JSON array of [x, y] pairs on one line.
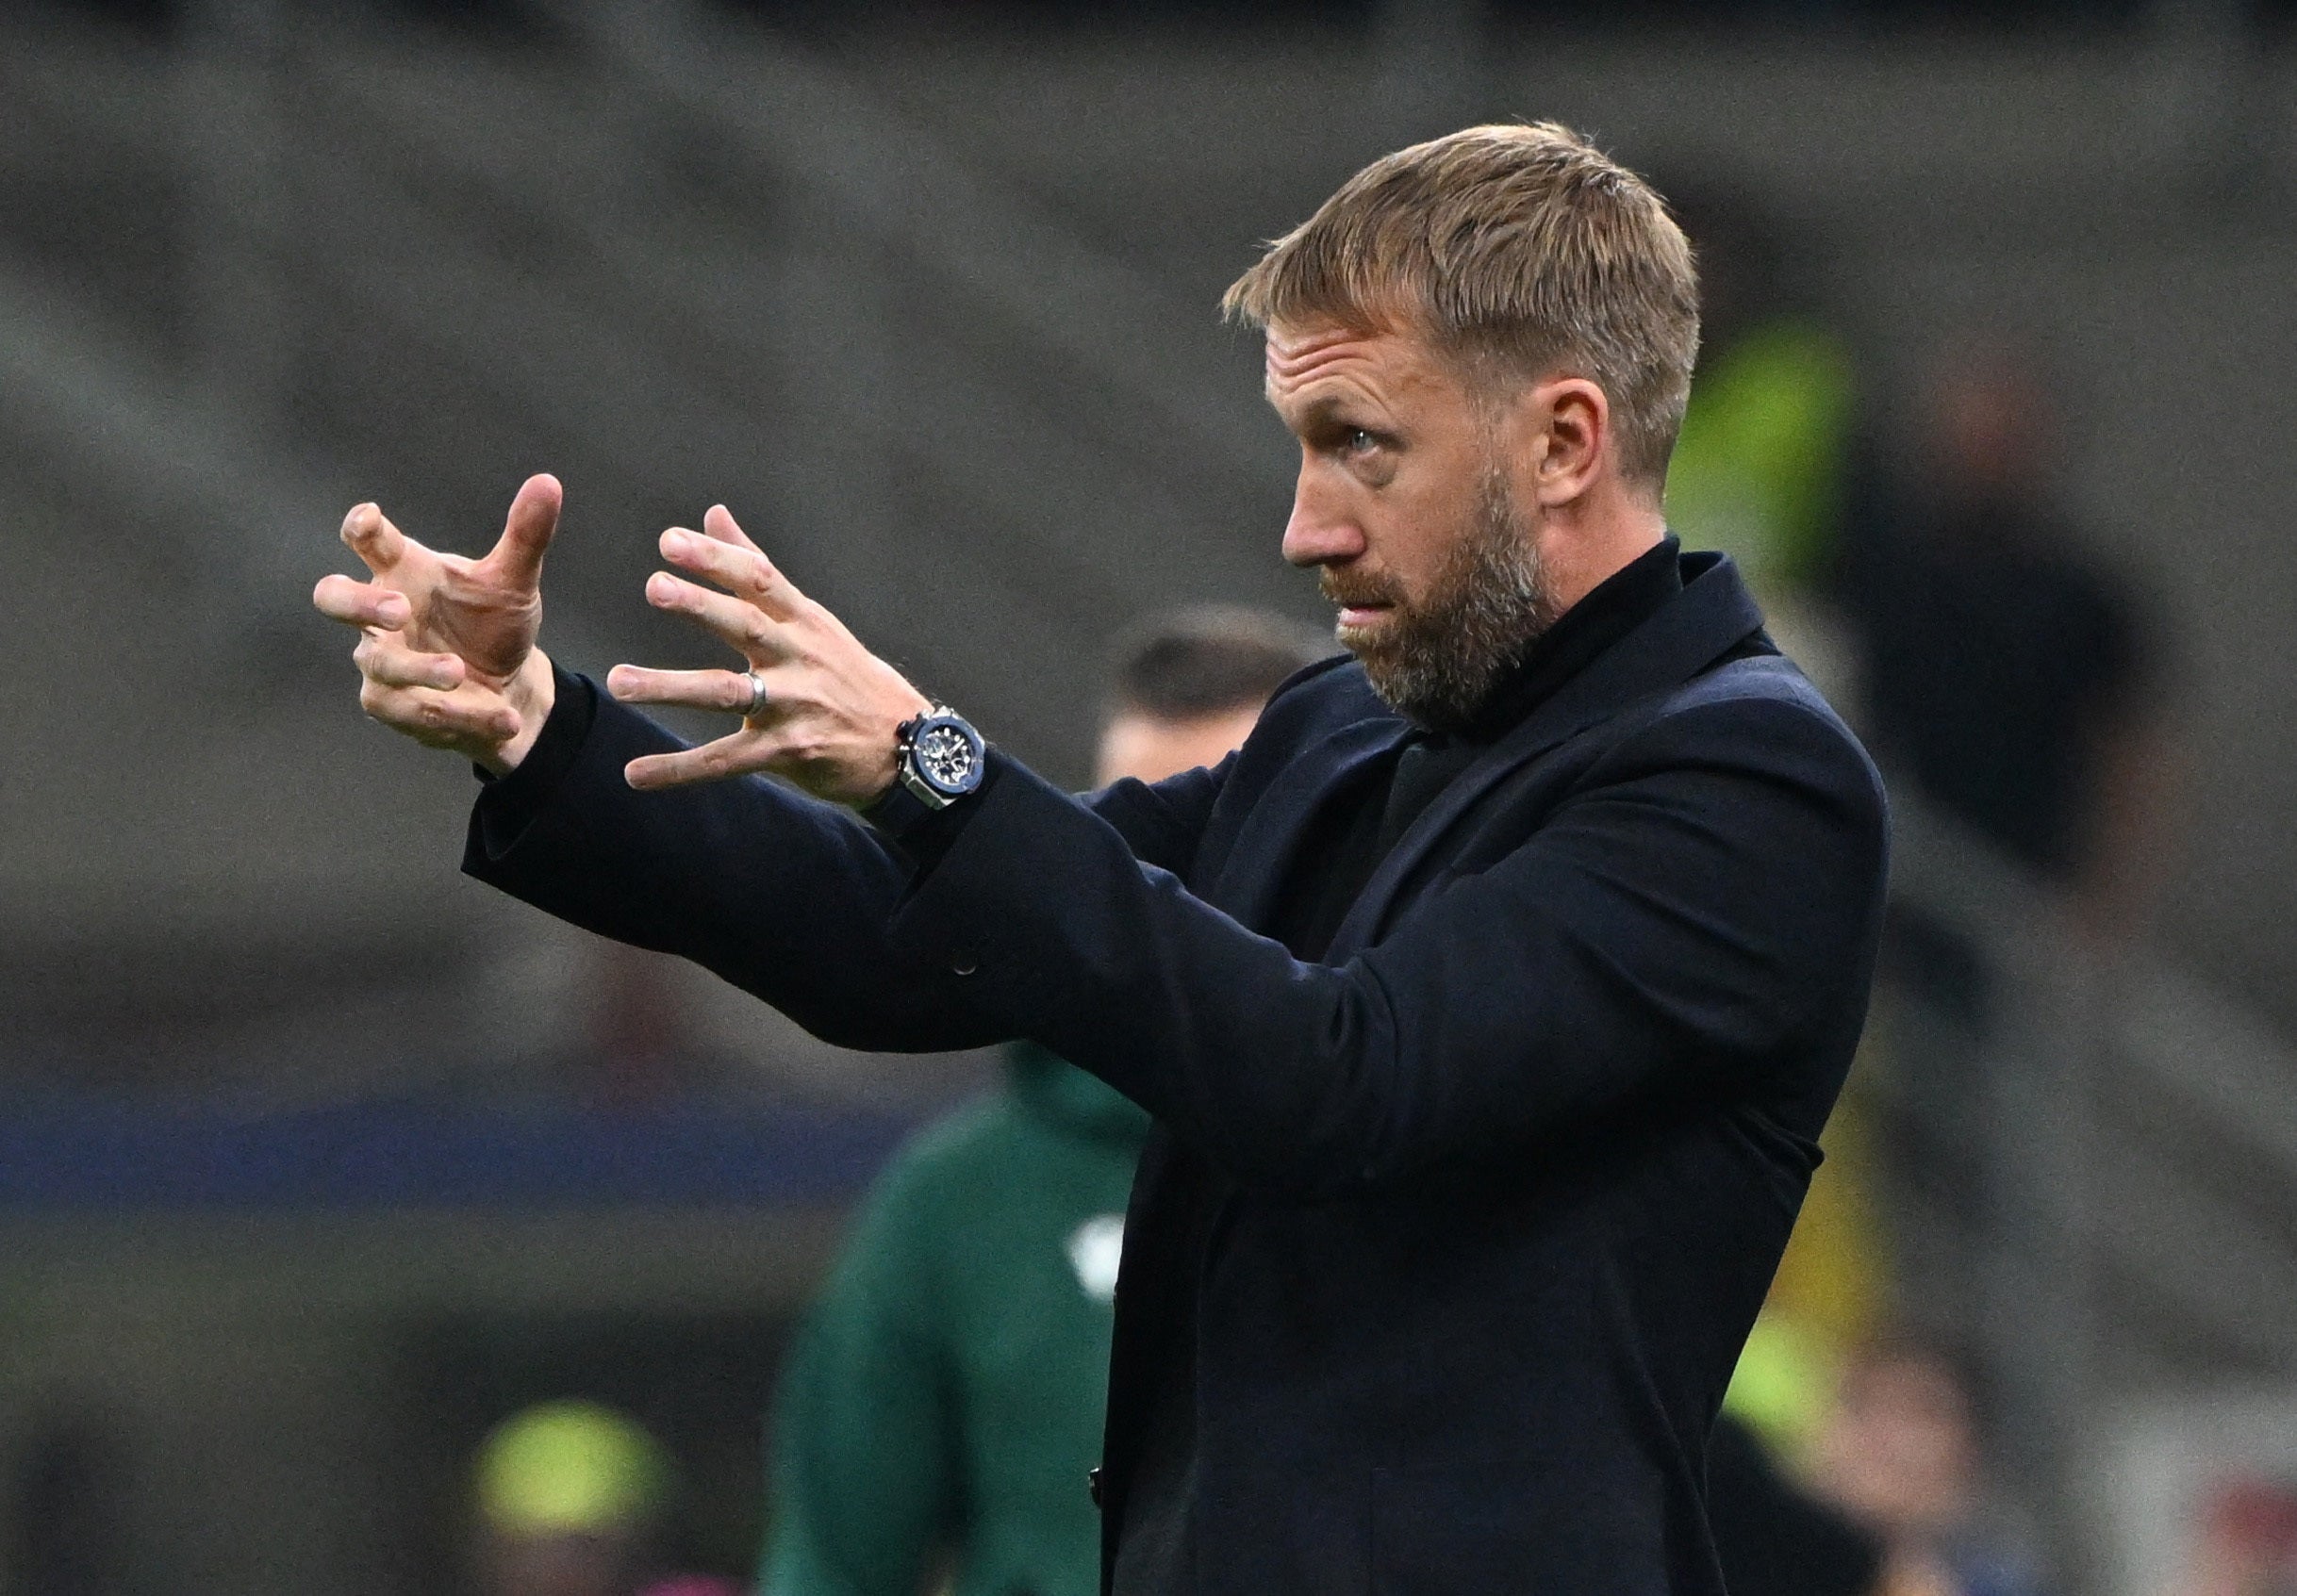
[[1292, 362], [1292, 353], [1295, 366], [1362, 374]]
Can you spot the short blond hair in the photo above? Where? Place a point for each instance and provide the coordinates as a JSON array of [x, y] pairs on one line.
[[1521, 250]]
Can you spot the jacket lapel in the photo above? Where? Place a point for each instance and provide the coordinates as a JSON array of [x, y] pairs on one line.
[[1260, 858], [1711, 616]]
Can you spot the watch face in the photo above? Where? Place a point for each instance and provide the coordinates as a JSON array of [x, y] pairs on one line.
[[948, 755]]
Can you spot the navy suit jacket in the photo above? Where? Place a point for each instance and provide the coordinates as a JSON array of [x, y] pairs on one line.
[[1496, 1188]]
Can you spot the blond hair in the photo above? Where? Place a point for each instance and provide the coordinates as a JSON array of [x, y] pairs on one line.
[[1520, 249]]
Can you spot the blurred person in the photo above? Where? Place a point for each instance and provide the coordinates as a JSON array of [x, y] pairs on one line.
[[1774, 1537], [2002, 666], [945, 1403], [1763, 464], [1489, 1002], [571, 1500], [640, 1052], [1900, 1453]]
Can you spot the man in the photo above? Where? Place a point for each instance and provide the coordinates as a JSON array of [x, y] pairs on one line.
[[2004, 667], [1489, 1001], [1899, 1452], [945, 1402]]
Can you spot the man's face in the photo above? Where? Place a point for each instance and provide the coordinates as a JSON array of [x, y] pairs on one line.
[[1148, 748], [567, 1564], [1991, 423], [1897, 1450], [1407, 506]]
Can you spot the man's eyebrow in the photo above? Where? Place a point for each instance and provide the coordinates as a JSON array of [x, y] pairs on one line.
[[1325, 410]]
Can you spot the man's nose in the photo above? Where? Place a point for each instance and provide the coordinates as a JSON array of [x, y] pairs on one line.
[[1320, 532]]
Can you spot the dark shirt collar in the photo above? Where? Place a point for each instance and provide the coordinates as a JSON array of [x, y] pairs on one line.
[[1617, 605]]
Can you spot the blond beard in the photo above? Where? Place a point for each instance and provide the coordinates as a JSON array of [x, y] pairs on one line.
[[1438, 658]]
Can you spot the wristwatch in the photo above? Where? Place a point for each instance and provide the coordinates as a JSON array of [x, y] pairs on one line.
[[941, 758], [938, 758]]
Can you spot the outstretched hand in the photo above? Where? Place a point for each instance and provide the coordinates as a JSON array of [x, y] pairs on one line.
[[831, 709], [447, 649]]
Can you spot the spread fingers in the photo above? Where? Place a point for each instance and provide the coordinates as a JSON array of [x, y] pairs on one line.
[[719, 522], [737, 622], [738, 567]]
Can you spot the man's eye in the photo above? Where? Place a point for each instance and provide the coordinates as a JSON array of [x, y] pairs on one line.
[[1357, 442]]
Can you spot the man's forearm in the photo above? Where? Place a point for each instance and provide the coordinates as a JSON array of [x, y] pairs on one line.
[[785, 897]]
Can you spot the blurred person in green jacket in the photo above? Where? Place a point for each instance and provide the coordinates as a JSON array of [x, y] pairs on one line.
[[945, 1402]]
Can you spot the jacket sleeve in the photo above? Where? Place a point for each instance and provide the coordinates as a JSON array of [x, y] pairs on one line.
[[785, 897], [1706, 902], [865, 1466], [1163, 823]]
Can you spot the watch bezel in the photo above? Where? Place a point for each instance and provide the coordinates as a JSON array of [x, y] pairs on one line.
[[914, 775]]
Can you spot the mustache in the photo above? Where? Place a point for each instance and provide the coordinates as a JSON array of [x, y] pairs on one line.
[[1359, 587]]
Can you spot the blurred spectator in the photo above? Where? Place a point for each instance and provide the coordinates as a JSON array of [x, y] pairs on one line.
[[1761, 469], [2004, 670], [945, 1401], [570, 1497], [1899, 1454]]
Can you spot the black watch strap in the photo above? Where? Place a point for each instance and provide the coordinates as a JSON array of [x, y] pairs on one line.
[[896, 811]]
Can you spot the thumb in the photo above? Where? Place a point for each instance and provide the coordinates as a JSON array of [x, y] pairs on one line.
[[527, 532]]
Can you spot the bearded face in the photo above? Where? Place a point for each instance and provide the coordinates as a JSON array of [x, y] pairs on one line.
[[1420, 502], [1439, 653]]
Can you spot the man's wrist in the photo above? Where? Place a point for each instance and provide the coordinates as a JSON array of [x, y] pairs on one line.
[[573, 708], [940, 764], [939, 757], [532, 693], [890, 772]]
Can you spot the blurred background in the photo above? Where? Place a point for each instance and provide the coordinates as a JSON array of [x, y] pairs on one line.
[[319, 1163]]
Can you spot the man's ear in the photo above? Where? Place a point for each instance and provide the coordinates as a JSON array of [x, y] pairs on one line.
[[1563, 429]]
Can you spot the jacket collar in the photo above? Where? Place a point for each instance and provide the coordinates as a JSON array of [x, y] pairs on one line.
[[1261, 857], [1711, 616]]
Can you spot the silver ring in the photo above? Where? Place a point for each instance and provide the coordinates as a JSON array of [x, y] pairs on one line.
[[757, 695]]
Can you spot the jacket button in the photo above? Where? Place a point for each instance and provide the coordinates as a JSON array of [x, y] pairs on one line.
[[1092, 1485], [963, 964]]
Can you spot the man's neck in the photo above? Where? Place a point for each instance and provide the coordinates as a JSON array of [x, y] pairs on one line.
[[1585, 544]]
